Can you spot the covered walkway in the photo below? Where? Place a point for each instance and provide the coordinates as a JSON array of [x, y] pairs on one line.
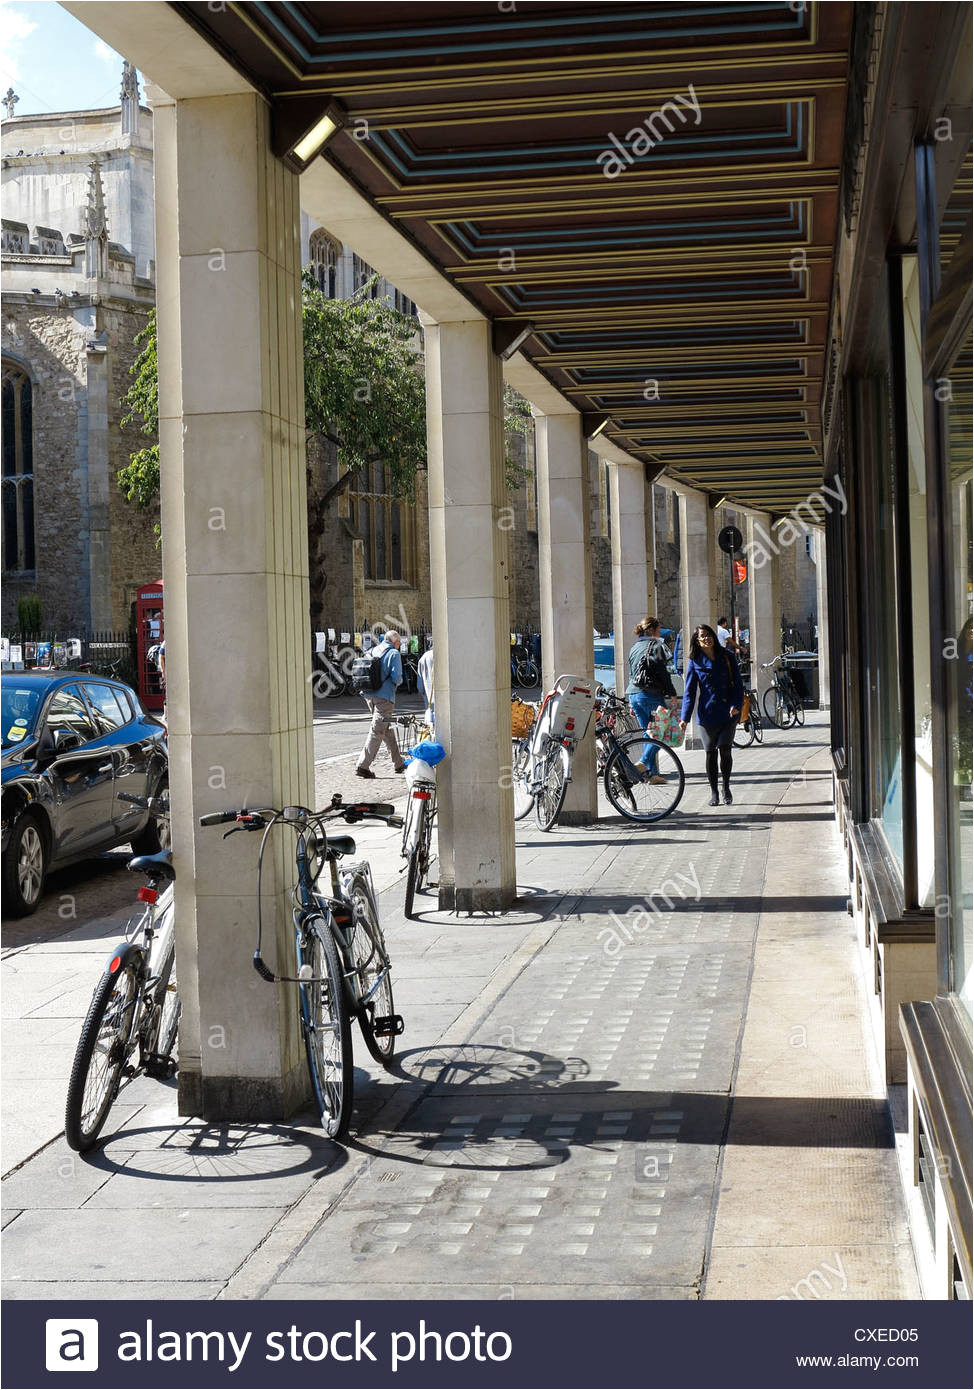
[[727, 248], [652, 1081]]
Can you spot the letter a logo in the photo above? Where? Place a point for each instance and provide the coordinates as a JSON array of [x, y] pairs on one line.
[[71, 1344]]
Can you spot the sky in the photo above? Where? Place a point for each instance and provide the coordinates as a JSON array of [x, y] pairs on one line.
[[52, 61]]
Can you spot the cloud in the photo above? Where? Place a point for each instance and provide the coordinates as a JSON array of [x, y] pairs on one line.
[[106, 54], [16, 28]]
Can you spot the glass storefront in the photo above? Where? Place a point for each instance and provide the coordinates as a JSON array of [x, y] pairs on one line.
[[958, 655]]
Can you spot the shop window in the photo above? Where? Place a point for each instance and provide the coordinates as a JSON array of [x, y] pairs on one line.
[[958, 651], [387, 525], [18, 470]]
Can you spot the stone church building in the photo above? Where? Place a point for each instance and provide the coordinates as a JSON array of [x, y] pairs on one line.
[[78, 281]]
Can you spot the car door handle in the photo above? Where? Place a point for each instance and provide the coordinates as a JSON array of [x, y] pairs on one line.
[[105, 767]]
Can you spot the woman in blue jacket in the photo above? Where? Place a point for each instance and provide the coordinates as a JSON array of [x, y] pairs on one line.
[[714, 684]]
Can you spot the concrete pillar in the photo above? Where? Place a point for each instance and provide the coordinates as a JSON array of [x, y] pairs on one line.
[[764, 594], [565, 565], [822, 610], [470, 582], [630, 582], [235, 566], [698, 578], [652, 601]]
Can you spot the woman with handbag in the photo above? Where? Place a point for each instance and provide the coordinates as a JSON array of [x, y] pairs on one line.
[[649, 687], [715, 686]]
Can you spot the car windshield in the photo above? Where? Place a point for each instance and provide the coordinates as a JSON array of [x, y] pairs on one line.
[[20, 704]]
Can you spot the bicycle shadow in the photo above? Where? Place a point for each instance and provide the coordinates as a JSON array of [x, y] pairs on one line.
[[472, 1073]]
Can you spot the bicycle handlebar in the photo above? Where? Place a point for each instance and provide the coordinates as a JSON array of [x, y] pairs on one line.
[[353, 811]]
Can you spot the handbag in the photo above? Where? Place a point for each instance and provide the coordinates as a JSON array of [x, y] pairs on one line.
[[664, 726], [745, 713]]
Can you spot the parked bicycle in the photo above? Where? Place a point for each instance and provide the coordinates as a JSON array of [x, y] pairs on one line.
[[750, 726], [781, 702], [525, 671], [132, 1022], [541, 762], [624, 757], [341, 965], [417, 834]]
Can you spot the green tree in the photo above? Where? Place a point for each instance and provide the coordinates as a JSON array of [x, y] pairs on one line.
[[139, 479], [363, 383], [363, 388]]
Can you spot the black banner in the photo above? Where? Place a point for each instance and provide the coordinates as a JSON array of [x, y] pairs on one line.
[[587, 1345]]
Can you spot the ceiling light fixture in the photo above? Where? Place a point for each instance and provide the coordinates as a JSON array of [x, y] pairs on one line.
[[303, 126], [509, 335], [593, 424]]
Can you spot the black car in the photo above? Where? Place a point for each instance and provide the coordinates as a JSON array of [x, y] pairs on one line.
[[71, 744]]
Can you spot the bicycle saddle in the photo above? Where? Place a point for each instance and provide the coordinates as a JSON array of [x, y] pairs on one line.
[[154, 866], [340, 845]]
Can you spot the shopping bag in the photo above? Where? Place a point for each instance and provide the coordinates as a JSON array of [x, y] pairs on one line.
[[664, 726]]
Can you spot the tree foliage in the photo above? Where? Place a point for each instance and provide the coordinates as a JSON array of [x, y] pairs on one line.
[[363, 381], [139, 479], [364, 389]]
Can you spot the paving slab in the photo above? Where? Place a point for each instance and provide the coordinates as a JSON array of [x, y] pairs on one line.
[[73, 1247]]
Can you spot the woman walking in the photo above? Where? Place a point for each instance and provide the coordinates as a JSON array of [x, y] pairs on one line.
[[649, 687], [713, 676]]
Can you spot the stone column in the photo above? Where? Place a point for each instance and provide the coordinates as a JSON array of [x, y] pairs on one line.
[[630, 583], [698, 555], [565, 565], [235, 567], [764, 584], [652, 603], [822, 610], [470, 590]]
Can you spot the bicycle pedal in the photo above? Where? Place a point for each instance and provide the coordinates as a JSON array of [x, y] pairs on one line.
[[388, 1025]]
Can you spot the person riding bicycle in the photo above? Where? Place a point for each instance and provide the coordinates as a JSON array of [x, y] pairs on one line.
[[714, 684], [649, 687]]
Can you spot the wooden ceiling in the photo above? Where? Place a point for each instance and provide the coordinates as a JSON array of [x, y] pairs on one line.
[[654, 186]]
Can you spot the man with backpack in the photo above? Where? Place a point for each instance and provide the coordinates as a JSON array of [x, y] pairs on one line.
[[649, 687], [376, 677]]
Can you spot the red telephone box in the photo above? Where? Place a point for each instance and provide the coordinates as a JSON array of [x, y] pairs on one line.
[[151, 630]]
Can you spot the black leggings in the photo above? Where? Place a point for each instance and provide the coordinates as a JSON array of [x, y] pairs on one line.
[[726, 763]]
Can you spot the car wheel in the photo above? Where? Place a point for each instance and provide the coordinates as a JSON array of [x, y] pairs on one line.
[[24, 866], [155, 836]]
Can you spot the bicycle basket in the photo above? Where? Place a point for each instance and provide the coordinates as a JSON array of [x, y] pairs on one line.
[[522, 717]]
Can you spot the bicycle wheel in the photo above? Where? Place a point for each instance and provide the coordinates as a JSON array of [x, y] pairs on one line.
[[373, 969], [520, 775], [171, 1009], [326, 1026], [553, 774], [775, 706], [744, 733], [100, 1058], [757, 723], [638, 798], [414, 873], [526, 673]]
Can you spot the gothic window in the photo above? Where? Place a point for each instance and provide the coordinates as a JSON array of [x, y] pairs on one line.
[[325, 252], [362, 273], [18, 471], [387, 525]]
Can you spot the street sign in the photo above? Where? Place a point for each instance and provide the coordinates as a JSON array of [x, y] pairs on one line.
[[730, 539]]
